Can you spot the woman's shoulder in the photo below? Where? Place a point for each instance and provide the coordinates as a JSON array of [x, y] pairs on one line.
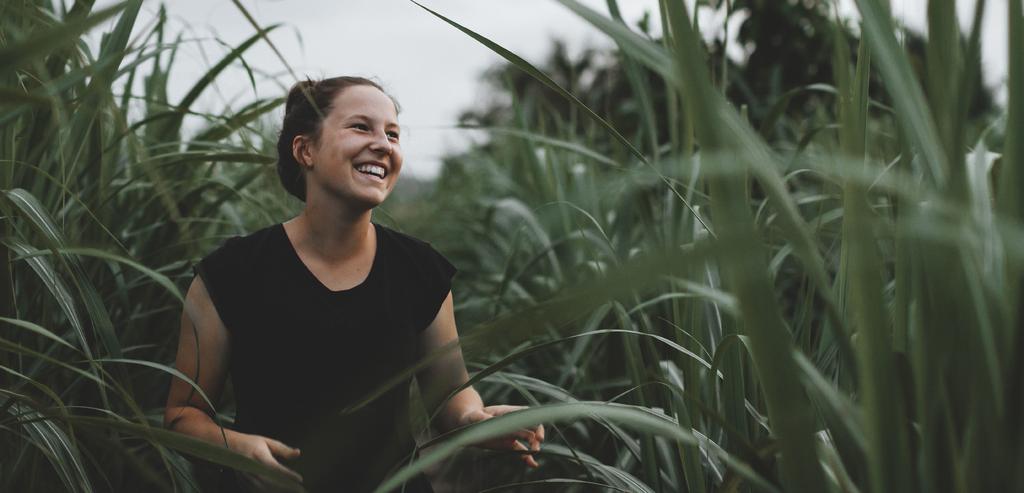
[[417, 252], [403, 240], [424, 274]]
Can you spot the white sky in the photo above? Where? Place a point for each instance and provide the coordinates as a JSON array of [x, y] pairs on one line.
[[430, 67]]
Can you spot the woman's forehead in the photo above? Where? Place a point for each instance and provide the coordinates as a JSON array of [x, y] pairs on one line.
[[364, 101]]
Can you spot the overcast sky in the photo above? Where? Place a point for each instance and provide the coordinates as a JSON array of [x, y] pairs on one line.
[[430, 67]]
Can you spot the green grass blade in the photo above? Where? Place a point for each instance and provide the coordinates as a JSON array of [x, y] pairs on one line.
[[636, 368], [557, 483], [166, 369], [1011, 180], [947, 82], [64, 453], [96, 97], [97, 253], [55, 285], [689, 455], [1011, 204], [543, 78], [645, 52], [842, 412], [19, 349], [44, 388], [244, 117], [217, 454], [912, 112], [263, 34], [550, 142], [641, 88], [881, 400], [883, 409], [38, 330], [101, 324], [640, 419], [613, 475], [197, 89], [39, 44]]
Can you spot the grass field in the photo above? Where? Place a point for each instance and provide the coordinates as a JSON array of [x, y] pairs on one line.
[[694, 305]]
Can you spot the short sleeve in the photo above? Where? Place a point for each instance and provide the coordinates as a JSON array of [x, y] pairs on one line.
[[435, 284], [221, 272]]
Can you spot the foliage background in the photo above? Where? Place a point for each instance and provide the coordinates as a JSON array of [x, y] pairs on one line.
[[799, 273]]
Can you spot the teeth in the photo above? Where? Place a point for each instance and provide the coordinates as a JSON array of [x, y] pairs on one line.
[[373, 169]]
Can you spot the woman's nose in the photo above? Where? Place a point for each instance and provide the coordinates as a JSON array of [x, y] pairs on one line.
[[381, 144]]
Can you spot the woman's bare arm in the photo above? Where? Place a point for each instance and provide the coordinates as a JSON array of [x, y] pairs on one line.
[[186, 411], [201, 327], [447, 373]]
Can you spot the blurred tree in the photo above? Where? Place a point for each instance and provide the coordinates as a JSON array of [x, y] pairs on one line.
[[788, 45], [791, 44]]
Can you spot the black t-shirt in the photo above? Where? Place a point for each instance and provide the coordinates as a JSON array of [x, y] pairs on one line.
[[300, 352]]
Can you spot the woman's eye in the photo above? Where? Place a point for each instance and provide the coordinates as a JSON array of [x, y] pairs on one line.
[[361, 126]]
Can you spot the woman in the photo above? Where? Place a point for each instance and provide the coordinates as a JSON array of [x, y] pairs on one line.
[[311, 314]]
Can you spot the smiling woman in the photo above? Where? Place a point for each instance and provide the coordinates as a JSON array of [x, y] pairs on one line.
[[309, 315]]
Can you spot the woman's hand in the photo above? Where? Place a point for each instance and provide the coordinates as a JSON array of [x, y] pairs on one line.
[[267, 451], [533, 436], [465, 407]]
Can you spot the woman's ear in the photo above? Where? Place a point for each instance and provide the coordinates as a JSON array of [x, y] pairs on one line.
[[301, 151]]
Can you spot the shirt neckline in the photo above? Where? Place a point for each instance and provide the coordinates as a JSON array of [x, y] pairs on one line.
[[374, 266]]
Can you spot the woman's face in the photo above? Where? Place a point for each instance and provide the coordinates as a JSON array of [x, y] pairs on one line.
[[359, 140]]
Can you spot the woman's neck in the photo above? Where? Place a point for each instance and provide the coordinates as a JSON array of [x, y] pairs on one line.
[[331, 234]]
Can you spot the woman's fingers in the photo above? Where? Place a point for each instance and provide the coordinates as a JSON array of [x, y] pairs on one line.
[[506, 442], [502, 409], [530, 461], [499, 410], [532, 436], [538, 438], [525, 435], [281, 450]]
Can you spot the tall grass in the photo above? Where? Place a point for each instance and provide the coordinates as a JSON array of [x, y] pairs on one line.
[[899, 377], [106, 201], [711, 311]]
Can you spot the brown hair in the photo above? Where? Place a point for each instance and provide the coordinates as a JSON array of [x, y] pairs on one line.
[[308, 104]]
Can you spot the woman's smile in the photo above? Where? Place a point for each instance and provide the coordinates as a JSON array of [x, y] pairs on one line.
[[374, 169]]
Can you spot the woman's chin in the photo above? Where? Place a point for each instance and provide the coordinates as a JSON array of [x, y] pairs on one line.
[[360, 200], [364, 202], [371, 199]]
